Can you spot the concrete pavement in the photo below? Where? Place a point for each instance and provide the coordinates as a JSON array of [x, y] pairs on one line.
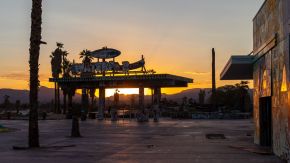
[[129, 141]]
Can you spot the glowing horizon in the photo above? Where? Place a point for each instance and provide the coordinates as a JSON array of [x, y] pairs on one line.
[[175, 37]]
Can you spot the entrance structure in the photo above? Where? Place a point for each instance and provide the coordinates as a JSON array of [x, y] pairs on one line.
[[105, 74], [268, 67]]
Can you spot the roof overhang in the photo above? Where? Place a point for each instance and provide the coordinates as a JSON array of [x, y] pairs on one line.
[[239, 67], [125, 81]]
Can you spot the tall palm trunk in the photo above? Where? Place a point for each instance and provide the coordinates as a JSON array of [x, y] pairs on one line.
[[58, 100], [35, 41], [55, 97]]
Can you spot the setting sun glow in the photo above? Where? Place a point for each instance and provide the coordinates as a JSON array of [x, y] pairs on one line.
[[127, 91]]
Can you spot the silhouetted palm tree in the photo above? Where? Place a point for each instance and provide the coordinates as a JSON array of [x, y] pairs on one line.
[[35, 41], [59, 64], [66, 65], [56, 68], [65, 62], [86, 55], [56, 60]]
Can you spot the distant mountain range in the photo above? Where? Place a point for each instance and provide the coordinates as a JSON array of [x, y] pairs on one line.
[[47, 95], [189, 93]]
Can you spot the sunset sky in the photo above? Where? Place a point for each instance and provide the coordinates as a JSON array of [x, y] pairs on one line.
[[175, 36]]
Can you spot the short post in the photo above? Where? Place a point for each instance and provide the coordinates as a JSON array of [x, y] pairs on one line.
[[75, 131]]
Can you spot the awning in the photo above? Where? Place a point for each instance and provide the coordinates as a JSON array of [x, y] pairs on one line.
[[239, 67]]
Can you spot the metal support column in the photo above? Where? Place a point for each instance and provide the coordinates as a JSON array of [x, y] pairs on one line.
[[143, 114], [156, 103], [157, 95], [141, 98], [102, 101], [85, 100], [92, 95]]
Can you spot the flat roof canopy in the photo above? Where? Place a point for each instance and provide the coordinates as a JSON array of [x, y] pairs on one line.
[[128, 81], [239, 67]]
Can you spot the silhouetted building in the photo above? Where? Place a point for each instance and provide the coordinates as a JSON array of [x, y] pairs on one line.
[[106, 74]]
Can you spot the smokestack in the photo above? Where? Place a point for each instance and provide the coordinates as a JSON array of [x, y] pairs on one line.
[[213, 95]]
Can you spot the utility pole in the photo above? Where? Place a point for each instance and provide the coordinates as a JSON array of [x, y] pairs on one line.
[[213, 95]]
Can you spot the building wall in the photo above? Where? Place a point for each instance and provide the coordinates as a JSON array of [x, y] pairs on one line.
[[271, 70]]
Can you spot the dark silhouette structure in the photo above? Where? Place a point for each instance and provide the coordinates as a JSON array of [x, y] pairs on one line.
[[90, 76], [213, 91]]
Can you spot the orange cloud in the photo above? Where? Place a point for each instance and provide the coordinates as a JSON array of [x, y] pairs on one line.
[[197, 73]]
